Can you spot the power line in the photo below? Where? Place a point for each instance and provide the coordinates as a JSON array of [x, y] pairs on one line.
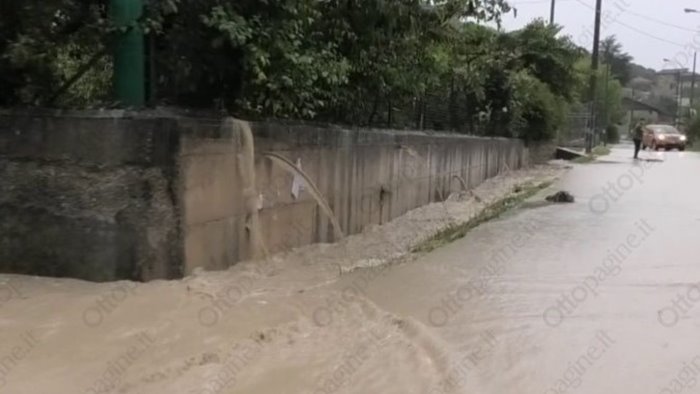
[[642, 32], [661, 22], [637, 14], [647, 17], [528, 2], [650, 35]]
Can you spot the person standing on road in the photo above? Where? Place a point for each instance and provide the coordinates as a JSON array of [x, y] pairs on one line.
[[637, 134]]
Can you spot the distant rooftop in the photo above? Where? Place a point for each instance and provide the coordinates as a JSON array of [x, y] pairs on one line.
[[673, 71], [636, 104]]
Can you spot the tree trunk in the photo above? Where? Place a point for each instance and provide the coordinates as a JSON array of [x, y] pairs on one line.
[[389, 114], [374, 110], [470, 113], [452, 110], [420, 112]]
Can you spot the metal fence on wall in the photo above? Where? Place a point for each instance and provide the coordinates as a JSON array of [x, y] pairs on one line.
[[573, 133]]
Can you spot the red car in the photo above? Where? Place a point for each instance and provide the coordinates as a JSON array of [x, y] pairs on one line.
[[657, 136]]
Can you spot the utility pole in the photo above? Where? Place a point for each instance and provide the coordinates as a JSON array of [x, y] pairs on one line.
[[593, 81], [129, 56], [605, 103], [551, 12], [679, 97], [695, 57], [692, 81]]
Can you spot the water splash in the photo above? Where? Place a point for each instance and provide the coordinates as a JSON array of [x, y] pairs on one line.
[[246, 170], [461, 181], [294, 170]]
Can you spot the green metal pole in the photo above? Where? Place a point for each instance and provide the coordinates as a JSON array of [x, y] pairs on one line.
[[593, 78], [129, 57]]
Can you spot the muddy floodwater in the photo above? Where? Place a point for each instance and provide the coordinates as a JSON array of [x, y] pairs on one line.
[[598, 296]]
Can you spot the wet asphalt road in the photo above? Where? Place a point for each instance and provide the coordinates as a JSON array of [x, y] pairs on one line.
[[598, 296]]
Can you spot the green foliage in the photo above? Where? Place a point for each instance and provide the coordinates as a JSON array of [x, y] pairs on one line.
[[609, 100], [549, 57], [40, 41], [608, 91], [492, 211], [286, 71], [693, 132], [541, 112], [403, 64], [620, 62], [600, 150], [612, 134]]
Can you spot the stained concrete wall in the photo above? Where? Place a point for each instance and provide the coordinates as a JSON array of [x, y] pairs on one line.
[[110, 195], [541, 152], [88, 195]]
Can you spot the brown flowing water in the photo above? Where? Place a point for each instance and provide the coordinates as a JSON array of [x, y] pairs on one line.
[[284, 324], [599, 296]]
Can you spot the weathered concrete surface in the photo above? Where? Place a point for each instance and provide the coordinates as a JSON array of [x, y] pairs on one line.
[[108, 195], [568, 154], [88, 196], [367, 176], [541, 152]]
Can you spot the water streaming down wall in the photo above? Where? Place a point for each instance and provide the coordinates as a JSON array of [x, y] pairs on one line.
[[155, 195]]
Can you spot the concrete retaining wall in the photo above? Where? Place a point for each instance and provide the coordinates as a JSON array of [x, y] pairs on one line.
[[103, 196], [541, 152]]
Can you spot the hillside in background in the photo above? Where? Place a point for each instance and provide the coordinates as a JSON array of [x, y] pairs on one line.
[[639, 71], [641, 81], [647, 86]]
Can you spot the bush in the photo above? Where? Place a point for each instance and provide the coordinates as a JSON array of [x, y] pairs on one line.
[[693, 132], [540, 111], [612, 134]]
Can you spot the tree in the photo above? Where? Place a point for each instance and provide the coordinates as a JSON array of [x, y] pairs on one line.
[[404, 63], [540, 111], [41, 42], [550, 58], [620, 62], [608, 92], [609, 103], [279, 58]]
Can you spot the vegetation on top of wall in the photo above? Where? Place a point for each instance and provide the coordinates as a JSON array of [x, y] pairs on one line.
[[402, 64]]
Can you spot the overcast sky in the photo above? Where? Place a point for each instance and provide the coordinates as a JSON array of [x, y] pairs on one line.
[[663, 30]]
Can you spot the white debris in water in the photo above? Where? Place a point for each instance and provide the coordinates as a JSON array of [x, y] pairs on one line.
[[364, 263]]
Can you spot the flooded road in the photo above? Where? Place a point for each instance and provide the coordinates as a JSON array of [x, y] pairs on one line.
[[598, 296]]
